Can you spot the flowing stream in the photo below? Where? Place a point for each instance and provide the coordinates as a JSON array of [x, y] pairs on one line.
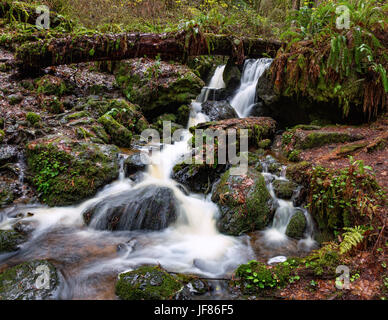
[[90, 259], [244, 99]]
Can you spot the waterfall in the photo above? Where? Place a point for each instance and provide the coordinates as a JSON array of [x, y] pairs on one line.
[[244, 98], [216, 83]]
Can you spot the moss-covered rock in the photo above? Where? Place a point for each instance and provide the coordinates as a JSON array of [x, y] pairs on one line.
[[33, 118], [297, 225], [158, 87], [10, 240], [66, 171], [20, 282], [2, 135], [318, 139], [52, 105], [120, 135], [244, 201], [51, 85], [298, 172], [147, 283], [284, 189]]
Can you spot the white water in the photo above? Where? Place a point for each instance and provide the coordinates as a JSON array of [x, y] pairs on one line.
[[244, 99], [192, 245], [216, 82]]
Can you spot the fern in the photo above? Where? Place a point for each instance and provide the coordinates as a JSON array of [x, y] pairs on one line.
[[352, 237]]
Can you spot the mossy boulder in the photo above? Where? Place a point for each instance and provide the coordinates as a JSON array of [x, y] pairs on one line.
[[321, 138], [284, 189], [297, 225], [20, 282], [147, 283], [66, 171], [244, 202], [51, 85], [120, 135], [299, 172], [33, 118], [197, 177], [10, 240], [157, 86]]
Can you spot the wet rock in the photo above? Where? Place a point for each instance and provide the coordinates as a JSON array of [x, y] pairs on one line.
[[306, 140], [133, 164], [10, 240], [8, 154], [244, 201], [218, 110], [232, 76], [70, 170], [197, 178], [34, 280], [147, 208], [297, 225], [157, 86], [284, 189], [147, 283], [259, 128], [15, 98]]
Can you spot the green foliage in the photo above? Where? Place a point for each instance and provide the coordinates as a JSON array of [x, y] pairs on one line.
[[343, 198], [33, 118], [351, 238], [255, 275]]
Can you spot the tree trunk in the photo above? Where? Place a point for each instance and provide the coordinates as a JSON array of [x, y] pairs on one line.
[[169, 46]]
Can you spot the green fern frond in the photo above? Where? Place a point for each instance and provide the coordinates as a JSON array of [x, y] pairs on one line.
[[351, 238]]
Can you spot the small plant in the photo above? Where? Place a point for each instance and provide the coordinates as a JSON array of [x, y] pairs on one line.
[[33, 118], [352, 238]]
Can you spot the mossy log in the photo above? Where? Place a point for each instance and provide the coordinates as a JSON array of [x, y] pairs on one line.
[[169, 46]]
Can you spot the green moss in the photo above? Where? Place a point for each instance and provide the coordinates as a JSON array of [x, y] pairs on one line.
[[265, 144], [243, 208], [101, 133], [53, 105], [284, 189], [293, 156], [298, 172], [296, 226], [120, 135], [256, 276], [33, 118], [2, 135], [63, 178], [318, 139], [77, 115], [51, 85], [9, 240], [349, 148], [147, 283], [82, 133]]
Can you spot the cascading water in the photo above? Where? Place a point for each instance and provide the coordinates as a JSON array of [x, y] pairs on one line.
[[216, 82], [90, 259], [244, 99]]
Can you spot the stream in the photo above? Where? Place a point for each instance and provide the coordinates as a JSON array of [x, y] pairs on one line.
[[90, 259]]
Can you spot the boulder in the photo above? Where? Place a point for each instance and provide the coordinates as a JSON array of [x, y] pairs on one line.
[[20, 282], [244, 202], [284, 189], [157, 86], [147, 283], [133, 164], [146, 208], [218, 110], [66, 171], [8, 154], [10, 240], [297, 225]]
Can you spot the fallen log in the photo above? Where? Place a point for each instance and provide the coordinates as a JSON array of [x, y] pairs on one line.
[[110, 47]]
